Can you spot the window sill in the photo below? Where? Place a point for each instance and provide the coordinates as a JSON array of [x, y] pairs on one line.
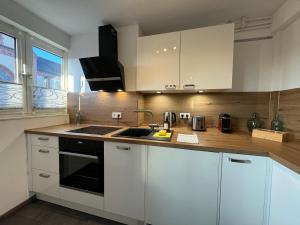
[[29, 116]]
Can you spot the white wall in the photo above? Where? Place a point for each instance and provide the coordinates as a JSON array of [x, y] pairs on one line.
[[287, 57], [14, 13], [252, 66], [86, 45], [13, 158]]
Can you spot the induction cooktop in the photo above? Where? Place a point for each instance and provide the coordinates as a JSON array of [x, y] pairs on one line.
[[98, 130]]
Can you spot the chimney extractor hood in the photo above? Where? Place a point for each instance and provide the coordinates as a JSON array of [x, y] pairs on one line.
[[105, 72]]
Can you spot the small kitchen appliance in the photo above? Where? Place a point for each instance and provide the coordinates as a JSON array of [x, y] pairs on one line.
[[198, 123], [225, 123], [169, 117]]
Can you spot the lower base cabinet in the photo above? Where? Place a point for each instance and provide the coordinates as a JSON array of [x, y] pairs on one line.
[[182, 187], [124, 179], [285, 196], [243, 190]]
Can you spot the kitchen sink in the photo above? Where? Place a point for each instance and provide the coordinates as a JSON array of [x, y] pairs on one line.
[[135, 132], [141, 133]]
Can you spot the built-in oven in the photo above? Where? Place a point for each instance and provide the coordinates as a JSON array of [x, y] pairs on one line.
[[81, 164]]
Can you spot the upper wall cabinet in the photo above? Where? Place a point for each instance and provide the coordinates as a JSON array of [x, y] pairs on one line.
[[193, 59], [206, 59], [158, 62]]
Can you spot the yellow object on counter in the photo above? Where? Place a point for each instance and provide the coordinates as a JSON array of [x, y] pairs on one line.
[[157, 135], [162, 132]]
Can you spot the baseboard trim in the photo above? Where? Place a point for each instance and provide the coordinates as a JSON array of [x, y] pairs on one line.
[[89, 210], [31, 198]]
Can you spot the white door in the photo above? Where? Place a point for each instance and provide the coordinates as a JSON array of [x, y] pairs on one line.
[[182, 187], [158, 62], [124, 179], [206, 57], [243, 190], [285, 196]]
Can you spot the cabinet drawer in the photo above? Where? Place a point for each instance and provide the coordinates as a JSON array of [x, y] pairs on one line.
[[83, 198], [46, 183], [45, 158], [44, 140]]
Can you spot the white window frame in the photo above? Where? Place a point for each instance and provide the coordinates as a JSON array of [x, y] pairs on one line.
[[20, 54], [31, 42], [25, 42]]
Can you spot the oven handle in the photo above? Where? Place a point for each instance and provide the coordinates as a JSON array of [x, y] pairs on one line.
[[78, 155]]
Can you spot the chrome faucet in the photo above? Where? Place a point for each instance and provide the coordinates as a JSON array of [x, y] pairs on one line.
[[152, 125]]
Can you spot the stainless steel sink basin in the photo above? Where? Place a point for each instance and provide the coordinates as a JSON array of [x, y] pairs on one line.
[[141, 133]]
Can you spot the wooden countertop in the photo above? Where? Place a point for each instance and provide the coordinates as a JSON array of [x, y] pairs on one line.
[[212, 140]]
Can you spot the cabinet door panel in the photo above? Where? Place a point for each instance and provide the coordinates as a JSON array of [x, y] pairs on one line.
[[206, 58], [243, 190], [182, 187], [285, 196], [125, 171], [158, 61]]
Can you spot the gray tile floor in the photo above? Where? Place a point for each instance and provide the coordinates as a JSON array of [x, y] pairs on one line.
[[43, 213]]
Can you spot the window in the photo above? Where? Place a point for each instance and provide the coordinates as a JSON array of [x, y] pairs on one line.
[[47, 65], [11, 91], [8, 59], [48, 80], [47, 69]]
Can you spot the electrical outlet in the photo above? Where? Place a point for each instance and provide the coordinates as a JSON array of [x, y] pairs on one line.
[[184, 115], [116, 115]]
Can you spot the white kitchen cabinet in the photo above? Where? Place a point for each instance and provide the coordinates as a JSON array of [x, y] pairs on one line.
[[243, 190], [44, 140], [46, 183], [45, 158], [158, 62], [206, 57], [182, 187], [285, 196], [124, 179]]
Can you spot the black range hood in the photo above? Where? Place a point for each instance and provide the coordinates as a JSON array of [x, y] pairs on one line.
[[105, 72]]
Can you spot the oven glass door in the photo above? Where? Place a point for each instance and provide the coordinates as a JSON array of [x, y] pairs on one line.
[[80, 171]]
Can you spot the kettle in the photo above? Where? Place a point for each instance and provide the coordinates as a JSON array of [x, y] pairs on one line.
[[170, 117]]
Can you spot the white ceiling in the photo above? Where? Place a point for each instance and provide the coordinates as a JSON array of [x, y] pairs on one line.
[[154, 16]]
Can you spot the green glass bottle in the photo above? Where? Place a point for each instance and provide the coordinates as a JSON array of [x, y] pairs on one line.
[[253, 122], [276, 124]]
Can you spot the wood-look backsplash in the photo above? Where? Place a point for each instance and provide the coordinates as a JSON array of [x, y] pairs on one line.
[[238, 105], [289, 111], [97, 107]]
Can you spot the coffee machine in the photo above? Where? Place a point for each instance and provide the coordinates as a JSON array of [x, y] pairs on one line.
[[225, 123]]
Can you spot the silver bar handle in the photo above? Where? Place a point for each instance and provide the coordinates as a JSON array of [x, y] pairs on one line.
[[245, 161], [189, 86], [43, 139], [43, 175], [123, 148], [43, 151], [78, 155]]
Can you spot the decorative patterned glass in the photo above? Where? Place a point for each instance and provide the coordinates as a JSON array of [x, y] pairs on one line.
[[44, 98], [48, 80]]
